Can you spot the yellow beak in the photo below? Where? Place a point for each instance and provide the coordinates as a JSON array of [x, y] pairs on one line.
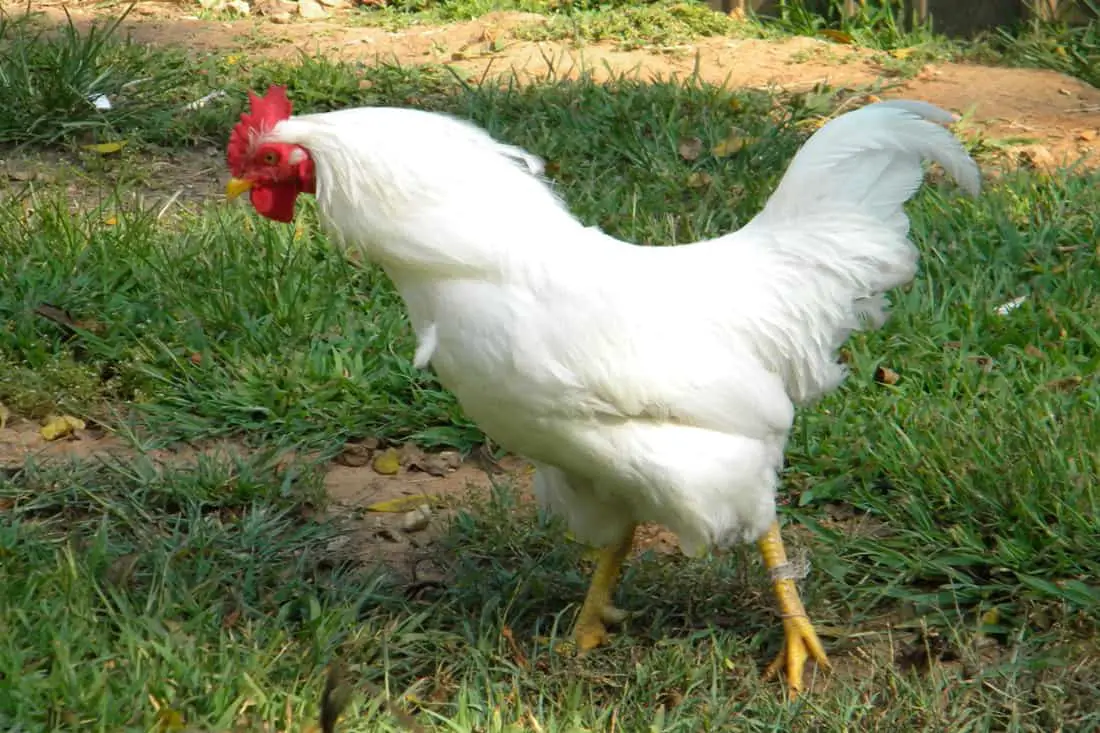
[[236, 187]]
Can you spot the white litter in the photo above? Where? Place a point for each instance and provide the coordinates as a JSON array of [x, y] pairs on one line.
[[100, 101], [203, 101], [1005, 308]]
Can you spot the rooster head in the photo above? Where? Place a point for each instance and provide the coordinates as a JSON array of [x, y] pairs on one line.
[[274, 173]]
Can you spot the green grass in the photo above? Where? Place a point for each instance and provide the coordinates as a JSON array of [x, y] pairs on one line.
[[659, 24], [1070, 49], [951, 515]]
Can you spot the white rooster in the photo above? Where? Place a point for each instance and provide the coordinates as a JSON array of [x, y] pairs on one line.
[[646, 384]]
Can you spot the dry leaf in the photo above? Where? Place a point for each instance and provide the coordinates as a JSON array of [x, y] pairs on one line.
[[107, 148], [1065, 384], [836, 36], [230, 620], [902, 53], [690, 148], [386, 463], [60, 316], [169, 720], [886, 375], [196, 358], [1034, 351], [5, 413], [60, 427], [699, 179], [120, 572], [732, 144], [338, 693], [335, 698], [402, 504], [670, 698], [985, 363], [518, 656]]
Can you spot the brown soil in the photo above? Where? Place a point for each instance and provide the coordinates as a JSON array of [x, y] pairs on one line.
[[367, 536], [1059, 114]]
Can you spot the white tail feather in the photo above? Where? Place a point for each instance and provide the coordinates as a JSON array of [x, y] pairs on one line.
[[872, 160], [833, 238]]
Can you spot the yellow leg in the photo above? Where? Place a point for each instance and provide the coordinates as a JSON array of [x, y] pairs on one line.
[[598, 611], [800, 640]]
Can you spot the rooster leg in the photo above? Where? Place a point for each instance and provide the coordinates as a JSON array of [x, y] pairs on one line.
[[800, 642], [598, 611]]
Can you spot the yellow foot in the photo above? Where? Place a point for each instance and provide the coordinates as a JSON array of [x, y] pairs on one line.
[[800, 641], [799, 644], [598, 611], [592, 632]]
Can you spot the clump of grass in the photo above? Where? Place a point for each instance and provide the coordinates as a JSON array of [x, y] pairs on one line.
[[51, 77], [1072, 49], [171, 318], [203, 596], [654, 24]]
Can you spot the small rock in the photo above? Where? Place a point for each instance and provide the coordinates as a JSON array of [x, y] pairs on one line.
[[410, 455], [1036, 156], [386, 534], [929, 71], [22, 175], [386, 462], [239, 7], [274, 9], [434, 466], [690, 148], [354, 455], [1087, 135], [311, 10], [417, 520]]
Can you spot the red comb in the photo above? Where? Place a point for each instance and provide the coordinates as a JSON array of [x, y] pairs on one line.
[[265, 112]]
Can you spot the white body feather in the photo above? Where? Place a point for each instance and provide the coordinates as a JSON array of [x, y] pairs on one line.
[[646, 383]]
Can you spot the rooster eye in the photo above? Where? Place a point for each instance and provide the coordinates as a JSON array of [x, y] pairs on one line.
[[270, 158]]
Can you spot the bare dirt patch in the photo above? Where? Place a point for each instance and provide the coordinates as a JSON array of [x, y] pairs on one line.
[[160, 181], [397, 538], [1022, 106]]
